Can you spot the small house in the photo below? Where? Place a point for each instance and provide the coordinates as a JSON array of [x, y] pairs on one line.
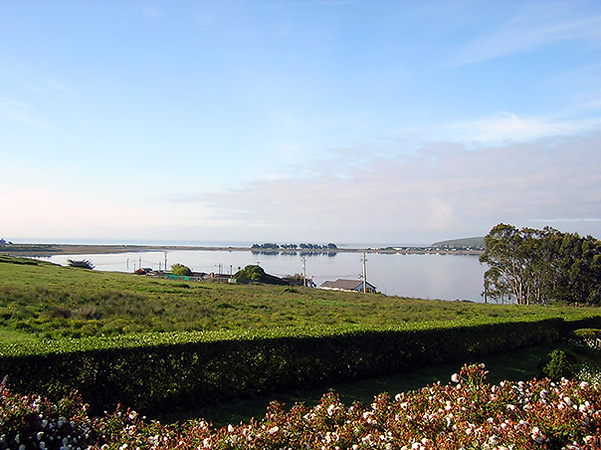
[[348, 285]]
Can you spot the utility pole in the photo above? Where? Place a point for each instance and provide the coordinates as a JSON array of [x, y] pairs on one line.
[[364, 259], [165, 261], [304, 271]]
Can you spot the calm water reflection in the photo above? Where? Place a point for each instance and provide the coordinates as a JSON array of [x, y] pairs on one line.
[[447, 277]]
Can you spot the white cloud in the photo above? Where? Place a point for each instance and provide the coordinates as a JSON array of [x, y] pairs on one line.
[[443, 190], [505, 127]]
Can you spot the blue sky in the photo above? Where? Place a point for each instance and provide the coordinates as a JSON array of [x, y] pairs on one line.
[[288, 121]]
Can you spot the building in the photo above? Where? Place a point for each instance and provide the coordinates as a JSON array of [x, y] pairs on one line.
[[348, 285]]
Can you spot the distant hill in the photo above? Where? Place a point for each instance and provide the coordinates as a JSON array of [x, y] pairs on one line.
[[473, 242]]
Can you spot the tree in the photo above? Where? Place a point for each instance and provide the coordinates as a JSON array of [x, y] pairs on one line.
[[506, 275], [82, 264], [180, 269], [530, 266], [300, 280], [254, 273], [250, 273]]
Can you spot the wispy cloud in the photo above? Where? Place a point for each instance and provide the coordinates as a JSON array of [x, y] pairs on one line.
[[58, 85], [18, 111], [534, 28], [506, 126], [153, 13]]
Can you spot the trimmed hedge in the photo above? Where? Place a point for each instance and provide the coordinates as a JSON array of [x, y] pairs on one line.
[[170, 371]]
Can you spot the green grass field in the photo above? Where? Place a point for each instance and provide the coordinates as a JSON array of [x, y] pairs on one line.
[[44, 300], [39, 300]]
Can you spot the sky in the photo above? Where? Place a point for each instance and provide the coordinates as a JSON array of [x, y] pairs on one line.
[[399, 122]]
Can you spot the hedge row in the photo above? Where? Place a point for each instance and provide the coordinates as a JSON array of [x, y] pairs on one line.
[[157, 373]]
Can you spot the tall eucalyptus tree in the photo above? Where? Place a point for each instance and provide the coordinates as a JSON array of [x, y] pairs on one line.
[[530, 266]]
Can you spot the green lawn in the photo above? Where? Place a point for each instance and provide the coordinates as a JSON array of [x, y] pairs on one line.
[[45, 300]]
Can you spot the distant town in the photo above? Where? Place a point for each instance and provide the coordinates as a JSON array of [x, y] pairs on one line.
[[456, 246]]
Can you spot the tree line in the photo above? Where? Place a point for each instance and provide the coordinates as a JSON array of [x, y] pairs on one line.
[[302, 246], [531, 266]]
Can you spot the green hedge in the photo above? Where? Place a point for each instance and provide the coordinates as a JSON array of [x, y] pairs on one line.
[[170, 371], [588, 333]]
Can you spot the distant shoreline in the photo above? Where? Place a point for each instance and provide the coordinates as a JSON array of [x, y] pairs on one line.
[[40, 250]]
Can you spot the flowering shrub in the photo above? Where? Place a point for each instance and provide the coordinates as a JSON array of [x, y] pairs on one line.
[[585, 344], [590, 337], [588, 373], [30, 422], [465, 414]]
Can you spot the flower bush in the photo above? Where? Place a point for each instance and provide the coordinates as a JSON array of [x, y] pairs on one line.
[[30, 422], [467, 413]]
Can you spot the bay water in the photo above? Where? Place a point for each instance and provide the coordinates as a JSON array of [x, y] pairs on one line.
[[428, 276]]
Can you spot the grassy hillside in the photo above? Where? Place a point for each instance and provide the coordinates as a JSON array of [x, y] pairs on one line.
[[45, 300], [473, 242]]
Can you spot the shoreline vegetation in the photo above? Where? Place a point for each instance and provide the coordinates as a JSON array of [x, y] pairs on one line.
[[41, 250]]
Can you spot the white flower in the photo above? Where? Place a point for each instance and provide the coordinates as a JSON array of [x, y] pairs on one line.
[[153, 440], [493, 440], [537, 436], [331, 410], [455, 378]]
